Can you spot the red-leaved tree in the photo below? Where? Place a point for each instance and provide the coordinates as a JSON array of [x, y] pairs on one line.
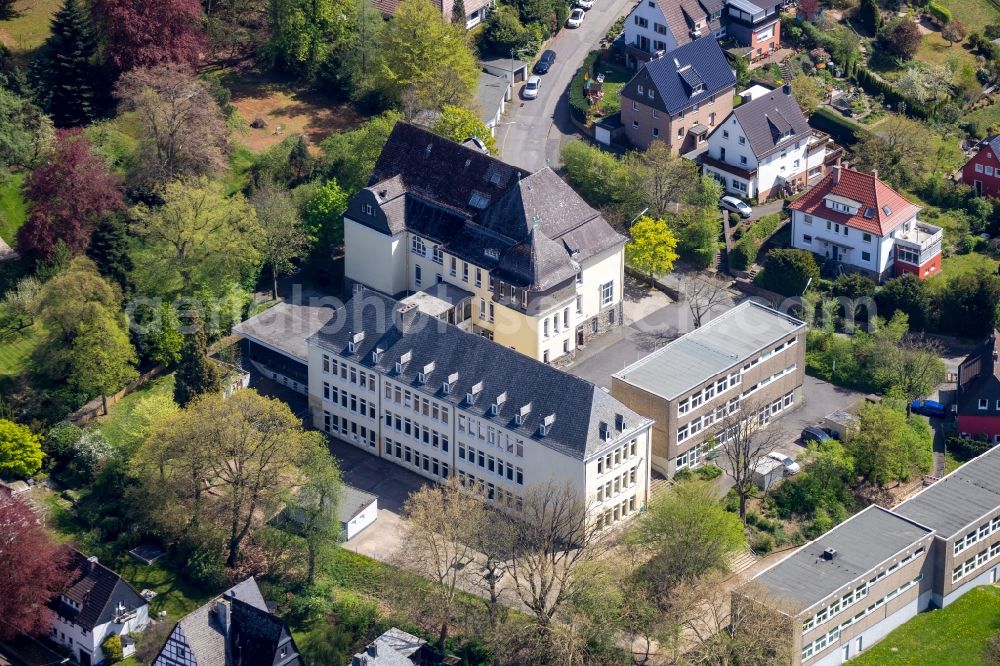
[[67, 194], [808, 9], [33, 569], [145, 33]]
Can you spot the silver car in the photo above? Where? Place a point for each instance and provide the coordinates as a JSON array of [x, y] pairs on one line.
[[575, 18], [530, 90]]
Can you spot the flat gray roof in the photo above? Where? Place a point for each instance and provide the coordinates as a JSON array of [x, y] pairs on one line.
[[438, 298], [959, 499], [862, 543], [352, 502], [285, 327], [720, 344], [490, 95]]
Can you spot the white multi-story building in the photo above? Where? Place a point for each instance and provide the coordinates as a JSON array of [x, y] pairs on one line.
[[96, 605], [529, 264], [656, 27], [425, 395], [855, 221], [765, 148]]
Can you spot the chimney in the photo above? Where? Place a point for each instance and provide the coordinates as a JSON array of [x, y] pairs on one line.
[[829, 554], [373, 650], [836, 174], [875, 173], [222, 615], [787, 89]]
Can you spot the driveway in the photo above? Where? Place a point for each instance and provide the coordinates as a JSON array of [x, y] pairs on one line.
[[533, 132]]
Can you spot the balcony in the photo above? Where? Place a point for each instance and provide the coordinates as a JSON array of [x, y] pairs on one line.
[[919, 244], [746, 174]]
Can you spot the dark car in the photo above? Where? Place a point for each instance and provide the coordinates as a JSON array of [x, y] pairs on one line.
[[814, 434], [927, 407], [545, 62]]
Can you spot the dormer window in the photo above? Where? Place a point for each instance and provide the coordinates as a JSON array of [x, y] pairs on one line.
[[491, 253], [478, 200], [367, 209], [639, 89]]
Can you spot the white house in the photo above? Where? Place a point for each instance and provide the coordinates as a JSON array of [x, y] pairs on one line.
[[655, 27], [96, 604], [765, 147], [855, 221]]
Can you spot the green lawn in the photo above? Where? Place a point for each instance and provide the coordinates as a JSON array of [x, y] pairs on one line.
[[12, 208], [954, 636], [934, 50], [975, 14], [120, 420], [958, 264], [29, 26], [981, 120], [15, 348]]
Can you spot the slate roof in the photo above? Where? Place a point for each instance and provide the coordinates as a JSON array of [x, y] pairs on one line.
[[681, 16], [579, 407], [535, 226], [960, 499], [389, 7], [257, 637], [673, 74], [866, 189], [870, 537], [98, 590], [703, 353], [771, 122], [393, 648], [979, 377]]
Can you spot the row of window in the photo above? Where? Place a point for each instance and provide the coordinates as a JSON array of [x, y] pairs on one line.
[[698, 424], [704, 395], [984, 403], [975, 562], [616, 513], [489, 491], [852, 597], [617, 485], [835, 227], [833, 635], [977, 534], [413, 457], [491, 435], [350, 430], [990, 171], [413, 400], [416, 431], [769, 353], [908, 256], [492, 464], [332, 366], [556, 321], [349, 401], [614, 458], [768, 380]]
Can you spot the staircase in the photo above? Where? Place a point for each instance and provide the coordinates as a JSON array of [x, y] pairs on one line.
[[741, 561], [786, 71]]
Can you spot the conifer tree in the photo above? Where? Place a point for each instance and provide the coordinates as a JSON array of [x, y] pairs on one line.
[[67, 71], [109, 248], [196, 374], [458, 12]]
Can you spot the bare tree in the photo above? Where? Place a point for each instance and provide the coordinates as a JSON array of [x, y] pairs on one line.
[[703, 293], [493, 539], [441, 521], [553, 539], [745, 440]]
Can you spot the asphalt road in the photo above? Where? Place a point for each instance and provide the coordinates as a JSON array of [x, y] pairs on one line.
[[533, 131]]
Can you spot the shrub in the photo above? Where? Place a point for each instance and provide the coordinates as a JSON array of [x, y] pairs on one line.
[[788, 271], [941, 13], [709, 472], [762, 229], [683, 474], [112, 648], [731, 502], [762, 544], [205, 569], [744, 253], [966, 449], [831, 122]]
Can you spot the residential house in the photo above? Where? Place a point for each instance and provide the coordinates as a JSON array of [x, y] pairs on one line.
[[441, 402], [846, 590], [476, 11], [96, 604], [528, 263], [746, 363], [982, 171], [765, 148], [979, 392], [396, 648], [657, 27], [756, 25], [234, 629], [680, 97], [854, 221]]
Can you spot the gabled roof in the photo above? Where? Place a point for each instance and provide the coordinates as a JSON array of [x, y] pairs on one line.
[[682, 15], [393, 648], [881, 209], [771, 121], [97, 590], [979, 378], [469, 203], [676, 75], [578, 407]]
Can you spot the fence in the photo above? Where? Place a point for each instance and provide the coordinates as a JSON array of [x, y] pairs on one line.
[[95, 407]]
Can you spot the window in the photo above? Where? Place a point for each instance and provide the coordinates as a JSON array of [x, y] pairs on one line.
[[807, 239], [635, 105], [984, 403], [866, 238], [635, 124], [743, 140], [579, 304], [607, 293], [989, 171], [656, 131], [639, 88], [743, 159], [725, 134], [453, 268], [417, 246], [438, 255], [417, 275], [680, 132], [479, 277], [866, 256], [367, 209]]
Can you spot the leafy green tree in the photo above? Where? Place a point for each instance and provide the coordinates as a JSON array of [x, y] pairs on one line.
[[20, 450], [110, 250], [66, 67], [504, 31], [653, 248], [698, 235], [788, 271], [824, 483], [854, 285], [324, 215], [112, 649], [197, 239], [315, 507], [968, 304], [196, 375], [157, 332], [425, 62], [903, 39], [808, 92], [906, 294], [592, 172], [459, 124], [20, 303], [305, 32], [888, 446], [25, 132], [351, 156], [900, 151], [283, 236], [101, 359]]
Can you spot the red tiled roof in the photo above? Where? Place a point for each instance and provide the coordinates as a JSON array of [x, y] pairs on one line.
[[867, 190]]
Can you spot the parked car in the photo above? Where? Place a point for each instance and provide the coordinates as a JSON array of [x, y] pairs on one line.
[[732, 203], [545, 62], [530, 90], [927, 408], [575, 18], [791, 467], [585, 4], [814, 434]]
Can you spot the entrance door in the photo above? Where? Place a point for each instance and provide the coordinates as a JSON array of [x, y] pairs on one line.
[[836, 253], [993, 575], [979, 186], [84, 658], [579, 336], [858, 645]]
